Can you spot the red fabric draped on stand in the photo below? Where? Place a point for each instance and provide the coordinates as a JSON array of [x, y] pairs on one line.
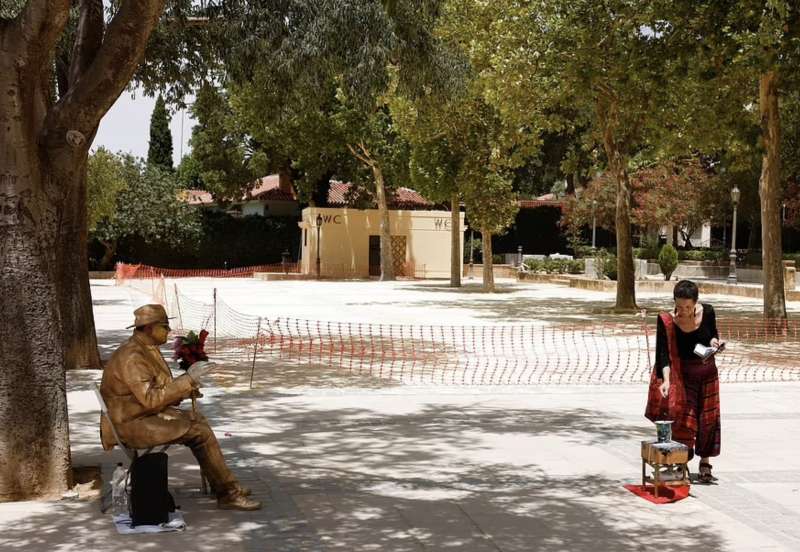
[[674, 407]]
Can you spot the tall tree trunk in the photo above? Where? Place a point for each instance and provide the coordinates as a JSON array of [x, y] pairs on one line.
[[455, 241], [109, 250], [488, 268], [770, 193], [387, 258], [618, 164], [72, 279], [34, 439], [42, 147]]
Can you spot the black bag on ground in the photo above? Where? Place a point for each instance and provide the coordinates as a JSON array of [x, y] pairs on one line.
[[150, 500]]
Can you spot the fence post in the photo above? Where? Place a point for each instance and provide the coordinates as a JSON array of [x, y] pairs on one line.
[[178, 307], [643, 314], [215, 321], [255, 352]]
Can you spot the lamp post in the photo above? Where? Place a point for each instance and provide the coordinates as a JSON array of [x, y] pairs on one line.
[[319, 227], [471, 253], [594, 223], [735, 200]]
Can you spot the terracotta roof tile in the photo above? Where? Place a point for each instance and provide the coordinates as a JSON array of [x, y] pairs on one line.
[[404, 198], [197, 197], [268, 189]]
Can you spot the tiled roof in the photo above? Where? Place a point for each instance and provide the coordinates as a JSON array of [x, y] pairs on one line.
[[546, 200], [535, 203], [197, 197], [268, 189], [404, 198]]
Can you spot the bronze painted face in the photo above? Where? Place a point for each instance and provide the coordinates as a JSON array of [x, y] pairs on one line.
[[684, 308], [159, 332]]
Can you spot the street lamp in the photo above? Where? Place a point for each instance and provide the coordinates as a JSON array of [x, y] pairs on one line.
[[735, 200], [319, 227], [594, 222]]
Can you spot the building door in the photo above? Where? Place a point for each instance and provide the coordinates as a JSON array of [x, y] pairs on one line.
[[398, 254], [374, 255]]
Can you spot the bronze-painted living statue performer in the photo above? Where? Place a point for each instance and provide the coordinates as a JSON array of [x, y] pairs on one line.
[[142, 399]]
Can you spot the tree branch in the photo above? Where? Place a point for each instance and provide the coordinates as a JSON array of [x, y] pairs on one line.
[[88, 38], [41, 23], [99, 86], [366, 160]]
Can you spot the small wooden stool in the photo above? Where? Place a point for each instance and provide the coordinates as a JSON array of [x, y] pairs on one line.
[[670, 455]]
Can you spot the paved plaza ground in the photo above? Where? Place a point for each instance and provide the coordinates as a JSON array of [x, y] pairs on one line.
[[347, 464]]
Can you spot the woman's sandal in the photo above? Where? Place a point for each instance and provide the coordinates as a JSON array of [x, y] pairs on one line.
[[705, 474]]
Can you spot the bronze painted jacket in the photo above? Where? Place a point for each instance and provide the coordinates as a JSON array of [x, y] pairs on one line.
[[141, 395]]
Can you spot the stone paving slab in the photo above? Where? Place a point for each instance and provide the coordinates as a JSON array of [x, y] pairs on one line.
[[398, 468]]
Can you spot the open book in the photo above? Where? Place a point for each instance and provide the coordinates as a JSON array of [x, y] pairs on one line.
[[705, 352]]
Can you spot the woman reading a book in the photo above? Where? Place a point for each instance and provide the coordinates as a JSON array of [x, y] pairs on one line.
[[685, 386]]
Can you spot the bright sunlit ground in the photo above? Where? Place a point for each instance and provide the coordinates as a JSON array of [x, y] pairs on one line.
[[347, 465]]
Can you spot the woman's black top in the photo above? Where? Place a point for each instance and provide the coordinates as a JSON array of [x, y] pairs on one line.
[[686, 341]]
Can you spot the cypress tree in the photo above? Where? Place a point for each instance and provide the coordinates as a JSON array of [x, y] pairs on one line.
[[160, 151]]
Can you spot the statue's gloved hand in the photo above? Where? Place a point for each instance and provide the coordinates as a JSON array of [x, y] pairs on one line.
[[199, 369]]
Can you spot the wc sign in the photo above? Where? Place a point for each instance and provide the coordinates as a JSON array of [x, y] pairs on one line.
[[335, 219], [441, 224]]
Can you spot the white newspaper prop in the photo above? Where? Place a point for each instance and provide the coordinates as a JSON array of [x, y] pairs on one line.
[[175, 523]]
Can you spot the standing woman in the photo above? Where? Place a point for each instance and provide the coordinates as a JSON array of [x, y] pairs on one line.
[[685, 388]]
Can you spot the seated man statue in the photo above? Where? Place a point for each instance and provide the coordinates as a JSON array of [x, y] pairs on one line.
[[142, 399]]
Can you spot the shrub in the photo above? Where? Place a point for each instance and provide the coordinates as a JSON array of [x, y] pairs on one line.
[[606, 264], [610, 267], [668, 260], [577, 266], [555, 266], [583, 251], [702, 255], [649, 249]]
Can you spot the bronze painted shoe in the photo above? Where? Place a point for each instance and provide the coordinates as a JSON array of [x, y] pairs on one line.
[[235, 500]]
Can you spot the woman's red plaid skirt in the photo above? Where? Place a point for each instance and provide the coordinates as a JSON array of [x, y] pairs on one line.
[[699, 426]]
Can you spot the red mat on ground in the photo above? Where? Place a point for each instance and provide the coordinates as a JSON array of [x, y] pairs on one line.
[[666, 495]]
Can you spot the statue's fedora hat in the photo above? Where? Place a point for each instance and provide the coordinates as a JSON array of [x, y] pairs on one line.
[[150, 314]]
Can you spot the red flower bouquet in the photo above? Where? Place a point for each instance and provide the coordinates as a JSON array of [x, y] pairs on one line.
[[190, 348]]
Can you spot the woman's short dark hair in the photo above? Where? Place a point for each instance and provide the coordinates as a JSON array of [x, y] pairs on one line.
[[686, 289]]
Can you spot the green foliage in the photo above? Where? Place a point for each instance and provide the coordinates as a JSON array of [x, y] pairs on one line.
[[189, 173], [105, 179], [582, 251], [490, 199], [159, 153], [373, 139], [605, 264], [680, 193], [793, 257], [703, 255], [556, 266], [649, 250], [149, 207], [477, 249], [9, 9], [221, 153], [668, 260], [225, 241]]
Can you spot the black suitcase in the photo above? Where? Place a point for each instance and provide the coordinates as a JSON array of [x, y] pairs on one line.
[[150, 500]]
